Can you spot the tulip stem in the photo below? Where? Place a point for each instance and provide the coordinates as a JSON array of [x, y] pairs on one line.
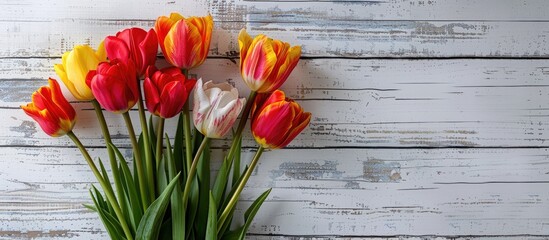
[[147, 146], [187, 128], [159, 138], [108, 191], [138, 162], [241, 125], [110, 150], [192, 172], [236, 195]]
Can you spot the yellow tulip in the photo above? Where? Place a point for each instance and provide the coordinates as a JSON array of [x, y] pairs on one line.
[[75, 67]]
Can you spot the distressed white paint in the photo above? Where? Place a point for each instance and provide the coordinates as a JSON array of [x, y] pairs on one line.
[[398, 148]]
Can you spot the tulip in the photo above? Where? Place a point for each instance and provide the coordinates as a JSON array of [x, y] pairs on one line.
[[51, 110], [114, 85], [75, 66], [166, 91], [185, 42], [216, 107], [277, 120], [135, 44], [265, 64]]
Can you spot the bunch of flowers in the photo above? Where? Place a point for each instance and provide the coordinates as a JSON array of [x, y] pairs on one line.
[[167, 193]]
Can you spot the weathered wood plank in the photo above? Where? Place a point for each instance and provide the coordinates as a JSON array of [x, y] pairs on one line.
[[356, 103], [341, 192], [319, 38]]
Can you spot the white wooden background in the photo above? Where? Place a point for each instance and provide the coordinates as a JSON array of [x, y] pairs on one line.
[[431, 117]]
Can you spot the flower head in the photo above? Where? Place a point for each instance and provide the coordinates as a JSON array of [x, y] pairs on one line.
[[75, 67], [51, 110], [216, 107], [133, 44], [265, 64], [114, 85], [277, 120], [166, 91], [185, 42]]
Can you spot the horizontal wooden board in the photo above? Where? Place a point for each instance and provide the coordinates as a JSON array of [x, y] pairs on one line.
[[355, 103], [318, 38], [339, 192]]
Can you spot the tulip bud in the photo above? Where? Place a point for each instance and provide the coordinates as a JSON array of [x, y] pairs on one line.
[[277, 120], [166, 91], [114, 85], [133, 44], [185, 42], [51, 110], [265, 64], [216, 107], [75, 67]]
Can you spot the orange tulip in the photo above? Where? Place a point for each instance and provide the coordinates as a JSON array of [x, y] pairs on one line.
[[277, 120], [185, 42], [51, 110], [265, 64]]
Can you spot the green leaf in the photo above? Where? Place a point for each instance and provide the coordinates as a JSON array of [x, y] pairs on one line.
[[237, 157], [166, 230], [149, 226], [232, 235], [111, 224], [211, 228], [231, 193], [203, 174], [161, 176], [152, 136], [178, 215], [192, 208], [178, 151], [220, 183], [252, 210], [130, 189]]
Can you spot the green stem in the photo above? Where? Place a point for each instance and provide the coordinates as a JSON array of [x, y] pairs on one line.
[[236, 195], [147, 146], [138, 161], [187, 129], [110, 195], [112, 156], [241, 125], [192, 172], [159, 138]]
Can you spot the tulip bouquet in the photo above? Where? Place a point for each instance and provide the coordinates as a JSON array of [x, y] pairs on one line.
[[166, 193]]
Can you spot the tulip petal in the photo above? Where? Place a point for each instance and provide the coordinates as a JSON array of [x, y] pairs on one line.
[[182, 44], [297, 126], [172, 99], [244, 42], [259, 64], [116, 48], [152, 98], [162, 27], [273, 123]]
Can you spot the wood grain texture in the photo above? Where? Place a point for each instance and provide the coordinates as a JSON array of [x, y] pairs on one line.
[[359, 29], [430, 117]]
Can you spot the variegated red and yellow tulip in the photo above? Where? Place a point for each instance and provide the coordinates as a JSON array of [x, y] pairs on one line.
[[135, 44], [166, 91], [185, 42], [277, 120], [51, 110], [114, 85], [216, 107], [75, 67], [265, 64]]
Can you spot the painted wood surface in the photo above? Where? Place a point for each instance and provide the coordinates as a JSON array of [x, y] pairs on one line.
[[430, 117]]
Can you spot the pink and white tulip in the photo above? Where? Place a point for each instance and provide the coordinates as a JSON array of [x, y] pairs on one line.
[[216, 107]]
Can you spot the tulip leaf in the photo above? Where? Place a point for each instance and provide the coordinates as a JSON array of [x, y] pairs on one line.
[[220, 183], [111, 224], [192, 208], [178, 151], [178, 214], [130, 189], [161, 176], [237, 157], [211, 227], [149, 227], [203, 175], [252, 211]]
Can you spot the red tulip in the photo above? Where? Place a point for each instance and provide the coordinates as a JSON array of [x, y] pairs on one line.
[[185, 42], [135, 44], [277, 120], [51, 110], [166, 91], [114, 85]]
